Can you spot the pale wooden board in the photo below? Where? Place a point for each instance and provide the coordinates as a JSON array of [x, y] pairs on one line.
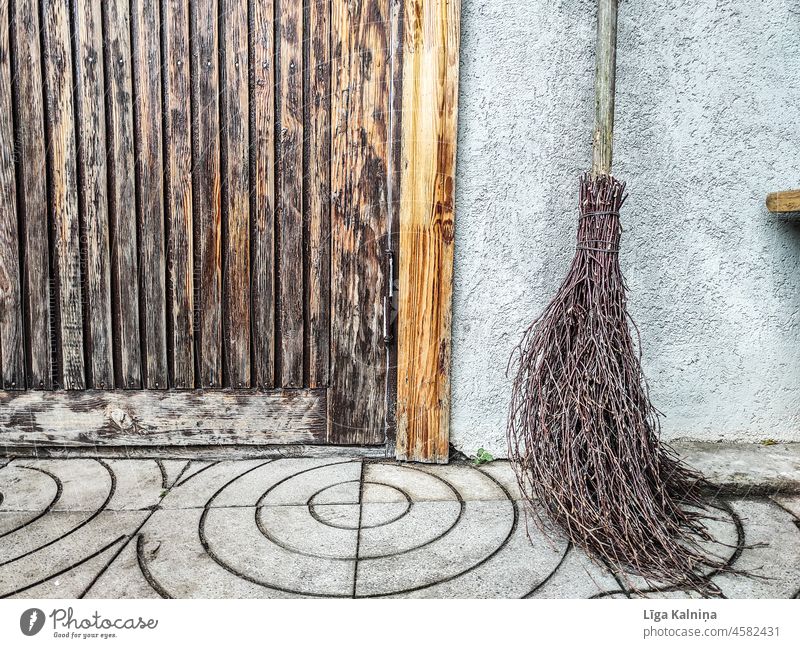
[[176, 418], [290, 201], [32, 201], [207, 192], [359, 219], [11, 335], [93, 191], [262, 287], [178, 132], [122, 194], [784, 202], [235, 148], [148, 120], [63, 199], [430, 95]]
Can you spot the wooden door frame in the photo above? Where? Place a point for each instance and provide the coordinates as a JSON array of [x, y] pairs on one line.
[[426, 223]]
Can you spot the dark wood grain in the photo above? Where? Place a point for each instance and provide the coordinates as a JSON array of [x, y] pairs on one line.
[[180, 255], [11, 332], [318, 202], [290, 202], [359, 220], [235, 144], [176, 418], [92, 176], [122, 194], [63, 201], [262, 287], [32, 201], [150, 180], [207, 191], [397, 9]]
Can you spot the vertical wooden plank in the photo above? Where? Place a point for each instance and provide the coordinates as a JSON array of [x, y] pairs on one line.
[[262, 287], [235, 143], [207, 191], [152, 264], [63, 191], [122, 194], [92, 177], [393, 194], [11, 337], [359, 220], [290, 202], [430, 98], [318, 193], [180, 256], [32, 202]]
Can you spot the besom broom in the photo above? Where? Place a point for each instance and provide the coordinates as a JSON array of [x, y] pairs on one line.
[[583, 435]]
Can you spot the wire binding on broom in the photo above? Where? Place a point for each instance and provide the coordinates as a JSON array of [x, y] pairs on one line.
[[583, 435]]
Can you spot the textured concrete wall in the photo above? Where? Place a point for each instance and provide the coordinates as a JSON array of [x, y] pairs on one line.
[[708, 122]]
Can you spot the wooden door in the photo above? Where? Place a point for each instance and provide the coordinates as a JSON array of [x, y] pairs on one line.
[[195, 204]]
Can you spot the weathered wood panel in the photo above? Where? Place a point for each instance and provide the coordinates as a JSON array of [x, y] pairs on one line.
[[63, 202], [192, 452], [207, 191], [235, 142], [92, 190], [11, 334], [180, 244], [122, 194], [430, 96], [150, 180], [32, 201], [359, 218], [290, 202], [318, 172], [263, 215], [136, 418], [393, 192]]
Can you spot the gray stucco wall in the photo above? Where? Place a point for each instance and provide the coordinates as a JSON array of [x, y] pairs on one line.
[[708, 122]]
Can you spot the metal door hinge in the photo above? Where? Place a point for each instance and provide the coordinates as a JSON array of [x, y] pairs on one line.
[[388, 298]]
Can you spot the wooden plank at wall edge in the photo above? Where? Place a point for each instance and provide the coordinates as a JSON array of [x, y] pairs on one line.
[[426, 229], [263, 182], [93, 193], [33, 199], [122, 195], [141, 418]]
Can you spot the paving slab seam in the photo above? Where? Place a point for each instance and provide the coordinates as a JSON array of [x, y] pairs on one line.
[[129, 538]]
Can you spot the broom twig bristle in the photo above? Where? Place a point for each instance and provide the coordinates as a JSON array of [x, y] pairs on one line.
[[583, 435]]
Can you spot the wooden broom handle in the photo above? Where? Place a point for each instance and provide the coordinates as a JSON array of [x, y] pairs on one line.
[[604, 80]]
